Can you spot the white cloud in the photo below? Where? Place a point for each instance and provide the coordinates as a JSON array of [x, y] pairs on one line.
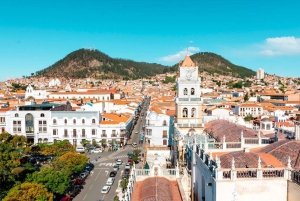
[[281, 46], [180, 55]]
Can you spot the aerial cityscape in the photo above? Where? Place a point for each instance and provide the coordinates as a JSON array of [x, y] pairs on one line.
[[149, 101]]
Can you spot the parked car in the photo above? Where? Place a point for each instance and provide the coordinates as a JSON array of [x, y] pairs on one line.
[[80, 149], [110, 181], [96, 150], [127, 166], [105, 189], [113, 173], [84, 174], [116, 167], [119, 161], [115, 148]]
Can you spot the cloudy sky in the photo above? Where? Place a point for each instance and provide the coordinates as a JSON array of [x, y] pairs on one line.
[[255, 34]]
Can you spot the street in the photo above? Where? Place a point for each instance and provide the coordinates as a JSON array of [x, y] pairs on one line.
[[104, 165]]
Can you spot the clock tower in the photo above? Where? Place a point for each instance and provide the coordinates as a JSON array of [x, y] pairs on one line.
[[188, 100]]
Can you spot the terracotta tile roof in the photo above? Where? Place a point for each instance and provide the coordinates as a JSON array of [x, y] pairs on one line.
[[284, 149], [232, 132], [156, 188], [242, 160], [187, 62], [171, 112]]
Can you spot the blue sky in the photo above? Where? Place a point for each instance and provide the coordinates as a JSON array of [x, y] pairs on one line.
[[255, 34]]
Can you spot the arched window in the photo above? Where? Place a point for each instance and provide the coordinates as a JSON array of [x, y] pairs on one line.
[[66, 121], [74, 121], [45, 140], [16, 115], [185, 112], [83, 121], [54, 121], [185, 91], [193, 112], [93, 121], [192, 91], [42, 115]]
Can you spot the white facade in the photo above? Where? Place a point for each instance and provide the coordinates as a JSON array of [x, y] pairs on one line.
[[244, 109], [55, 83], [157, 129], [36, 94], [188, 101], [260, 74]]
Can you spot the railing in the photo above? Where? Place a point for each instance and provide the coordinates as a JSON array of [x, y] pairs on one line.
[[215, 146], [266, 141], [226, 174], [169, 172], [273, 173], [142, 172], [296, 177], [2, 123], [103, 135], [246, 173], [65, 136], [183, 99], [251, 141], [189, 99], [83, 135], [233, 145], [74, 135], [114, 135], [189, 125]]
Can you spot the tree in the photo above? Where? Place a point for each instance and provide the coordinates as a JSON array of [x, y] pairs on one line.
[[54, 181], [29, 192], [56, 149], [136, 152], [248, 117], [246, 97], [116, 198], [71, 161]]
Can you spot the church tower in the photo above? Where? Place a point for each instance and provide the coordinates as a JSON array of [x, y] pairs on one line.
[[188, 101]]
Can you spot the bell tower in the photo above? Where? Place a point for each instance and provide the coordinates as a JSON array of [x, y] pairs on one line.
[[188, 101]]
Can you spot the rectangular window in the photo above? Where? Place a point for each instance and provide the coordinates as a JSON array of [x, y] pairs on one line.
[[165, 134], [66, 133], [54, 132], [93, 131], [2, 119], [165, 142], [104, 132], [42, 126], [74, 133], [17, 126], [83, 132]]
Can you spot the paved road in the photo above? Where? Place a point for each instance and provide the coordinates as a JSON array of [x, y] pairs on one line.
[[98, 177]]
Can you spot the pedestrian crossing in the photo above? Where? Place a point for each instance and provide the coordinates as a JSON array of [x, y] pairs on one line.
[[116, 157]]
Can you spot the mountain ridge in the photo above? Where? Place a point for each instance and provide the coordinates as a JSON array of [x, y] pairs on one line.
[[85, 63]]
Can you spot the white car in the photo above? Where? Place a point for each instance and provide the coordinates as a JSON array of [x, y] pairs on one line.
[[110, 181], [96, 150], [127, 166], [134, 144], [119, 162], [80, 149], [105, 189]]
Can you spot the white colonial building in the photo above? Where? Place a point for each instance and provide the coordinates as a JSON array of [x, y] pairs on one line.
[[157, 131], [36, 94]]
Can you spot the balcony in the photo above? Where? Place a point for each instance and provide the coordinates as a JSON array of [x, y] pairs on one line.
[[103, 135], [114, 135], [2, 123], [66, 136]]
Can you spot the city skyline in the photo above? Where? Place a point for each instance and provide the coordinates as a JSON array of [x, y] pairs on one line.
[[35, 35]]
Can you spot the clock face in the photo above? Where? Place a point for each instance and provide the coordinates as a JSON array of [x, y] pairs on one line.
[[188, 74]]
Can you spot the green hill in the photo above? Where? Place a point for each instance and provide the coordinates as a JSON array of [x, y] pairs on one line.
[[213, 63], [85, 63]]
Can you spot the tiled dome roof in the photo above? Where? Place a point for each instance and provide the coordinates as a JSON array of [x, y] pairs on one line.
[[156, 189]]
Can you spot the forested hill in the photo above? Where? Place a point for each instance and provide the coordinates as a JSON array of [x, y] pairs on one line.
[[85, 63], [213, 63]]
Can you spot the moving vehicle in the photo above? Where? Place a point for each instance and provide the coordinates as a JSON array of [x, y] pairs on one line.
[[134, 145], [119, 162], [110, 181], [105, 189]]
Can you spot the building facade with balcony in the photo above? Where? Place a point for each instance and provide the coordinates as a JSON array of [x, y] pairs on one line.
[[157, 129]]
